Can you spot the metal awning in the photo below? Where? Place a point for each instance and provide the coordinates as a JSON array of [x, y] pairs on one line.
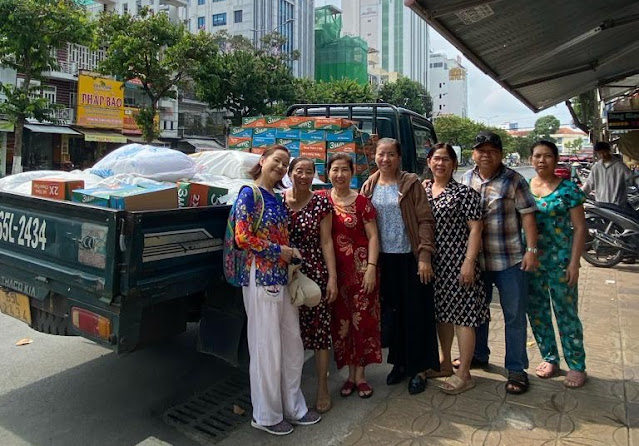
[[543, 51], [204, 144], [43, 128], [104, 136]]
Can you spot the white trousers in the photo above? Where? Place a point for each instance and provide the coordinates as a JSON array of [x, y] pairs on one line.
[[276, 353]]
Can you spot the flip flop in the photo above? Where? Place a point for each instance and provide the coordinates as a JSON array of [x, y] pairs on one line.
[[431, 373], [575, 379], [364, 387], [454, 385], [348, 388], [547, 370]]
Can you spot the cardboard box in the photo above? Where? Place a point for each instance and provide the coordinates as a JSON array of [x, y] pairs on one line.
[[265, 132], [141, 199], [348, 135], [301, 122], [98, 196], [332, 123], [237, 143], [198, 194], [288, 133], [312, 135], [342, 146], [315, 150], [276, 121], [55, 188], [241, 132], [293, 146], [254, 121], [262, 142]]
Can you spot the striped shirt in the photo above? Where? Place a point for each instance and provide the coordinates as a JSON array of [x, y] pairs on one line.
[[503, 196]]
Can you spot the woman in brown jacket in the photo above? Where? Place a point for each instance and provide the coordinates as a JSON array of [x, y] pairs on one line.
[[406, 231]]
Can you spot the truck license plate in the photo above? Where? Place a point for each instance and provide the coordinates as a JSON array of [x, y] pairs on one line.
[[16, 305]]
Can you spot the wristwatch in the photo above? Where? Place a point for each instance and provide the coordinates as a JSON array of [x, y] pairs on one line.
[[533, 250]]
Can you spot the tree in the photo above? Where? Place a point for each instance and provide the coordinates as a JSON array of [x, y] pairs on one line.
[[521, 145], [341, 91], [245, 80], [30, 32], [457, 131], [575, 145], [407, 93], [157, 52], [546, 126], [582, 109]]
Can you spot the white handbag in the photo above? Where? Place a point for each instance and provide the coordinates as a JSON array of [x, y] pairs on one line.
[[303, 291]]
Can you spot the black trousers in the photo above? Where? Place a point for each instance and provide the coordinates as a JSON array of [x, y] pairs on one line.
[[408, 315]]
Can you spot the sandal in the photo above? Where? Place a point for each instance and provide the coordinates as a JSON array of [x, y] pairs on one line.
[[474, 363], [517, 383], [454, 385], [575, 379], [431, 373], [348, 388], [547, 370], [364, 390]]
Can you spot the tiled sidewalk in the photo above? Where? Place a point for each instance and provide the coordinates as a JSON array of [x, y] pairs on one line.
[[604, 412]]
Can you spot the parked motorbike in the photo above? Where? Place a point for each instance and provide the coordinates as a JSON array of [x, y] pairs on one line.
[[613, 234]]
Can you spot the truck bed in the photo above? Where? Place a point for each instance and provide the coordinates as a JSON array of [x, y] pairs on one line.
[[132, 268]]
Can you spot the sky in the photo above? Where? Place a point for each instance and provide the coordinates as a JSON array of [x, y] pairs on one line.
[[488, 102]]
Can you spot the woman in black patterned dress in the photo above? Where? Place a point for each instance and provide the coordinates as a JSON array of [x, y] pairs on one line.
[[310, 226], [459, 294]]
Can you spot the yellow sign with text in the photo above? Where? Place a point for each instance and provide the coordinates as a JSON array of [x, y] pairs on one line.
[[100, 102]]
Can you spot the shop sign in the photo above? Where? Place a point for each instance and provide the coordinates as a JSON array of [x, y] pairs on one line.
[[623, 120], [100, 102], [130, 127]]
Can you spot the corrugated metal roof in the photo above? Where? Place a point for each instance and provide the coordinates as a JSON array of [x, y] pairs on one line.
[[542, 51]]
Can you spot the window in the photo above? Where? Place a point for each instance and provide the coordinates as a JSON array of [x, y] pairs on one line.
[[219, 19], [215, 1], [423, 143], [200, 23], [237, 16], [125, 8], [201, 2]]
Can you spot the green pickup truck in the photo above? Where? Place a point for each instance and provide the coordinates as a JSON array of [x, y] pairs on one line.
[[124, 279]]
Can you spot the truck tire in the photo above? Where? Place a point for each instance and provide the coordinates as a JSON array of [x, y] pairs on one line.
[[49, 323]]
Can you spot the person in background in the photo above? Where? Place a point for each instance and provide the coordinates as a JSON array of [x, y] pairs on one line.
[[310, 226], [355, 323], [406, 228], [508, 208], [460, 299], [275, 345], [609, 177], [562, 234]]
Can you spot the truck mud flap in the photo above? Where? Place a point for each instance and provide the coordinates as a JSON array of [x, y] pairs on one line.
[[223, 334]]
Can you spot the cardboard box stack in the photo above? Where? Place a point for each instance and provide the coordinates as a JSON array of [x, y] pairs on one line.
[[55, 188], [314, 137]]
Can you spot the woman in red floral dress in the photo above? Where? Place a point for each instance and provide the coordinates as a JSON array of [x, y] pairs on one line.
[[355, 324]]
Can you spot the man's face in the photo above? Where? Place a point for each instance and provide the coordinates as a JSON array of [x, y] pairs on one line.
[[487, 156], [603, 155]]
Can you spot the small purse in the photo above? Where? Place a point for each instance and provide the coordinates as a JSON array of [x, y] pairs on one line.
[[303, 290]]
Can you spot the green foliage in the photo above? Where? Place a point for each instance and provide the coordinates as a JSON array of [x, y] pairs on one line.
[[340, 91], [582, 109], [244, 80], [457, 131], [575, 145], [546, 126], [407, 93], [521, 145], [149, 47], [30, 31]]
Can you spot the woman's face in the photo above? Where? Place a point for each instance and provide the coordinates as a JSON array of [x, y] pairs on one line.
[[275, 165], [441, 164], [302, 174], [340, 174], [387, 158], [542, 159]]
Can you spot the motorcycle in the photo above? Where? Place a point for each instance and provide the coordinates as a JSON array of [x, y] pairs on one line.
[[613, 234]]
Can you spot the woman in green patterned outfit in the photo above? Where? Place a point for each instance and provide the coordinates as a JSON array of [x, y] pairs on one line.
[[562, 232]]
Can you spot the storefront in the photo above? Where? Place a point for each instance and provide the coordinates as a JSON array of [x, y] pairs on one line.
[[46, 147], [95, 145]]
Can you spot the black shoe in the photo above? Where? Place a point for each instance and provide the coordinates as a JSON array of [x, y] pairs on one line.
[[396, 375], [416, 385]]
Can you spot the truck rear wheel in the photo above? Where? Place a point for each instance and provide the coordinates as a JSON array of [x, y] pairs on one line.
[[49, 323]]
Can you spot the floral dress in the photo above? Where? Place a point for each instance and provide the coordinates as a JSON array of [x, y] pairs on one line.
[[356, 316], [454, 303], [304, 229]]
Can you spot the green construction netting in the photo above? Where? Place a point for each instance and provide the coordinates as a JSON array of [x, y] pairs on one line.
[[337, 56]]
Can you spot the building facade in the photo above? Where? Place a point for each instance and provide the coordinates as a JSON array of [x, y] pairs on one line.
[[448, 86]]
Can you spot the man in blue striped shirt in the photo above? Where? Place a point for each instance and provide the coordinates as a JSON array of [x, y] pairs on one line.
[[508, 207]]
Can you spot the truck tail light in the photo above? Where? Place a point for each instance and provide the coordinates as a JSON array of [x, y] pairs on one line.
[[91, 323]]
